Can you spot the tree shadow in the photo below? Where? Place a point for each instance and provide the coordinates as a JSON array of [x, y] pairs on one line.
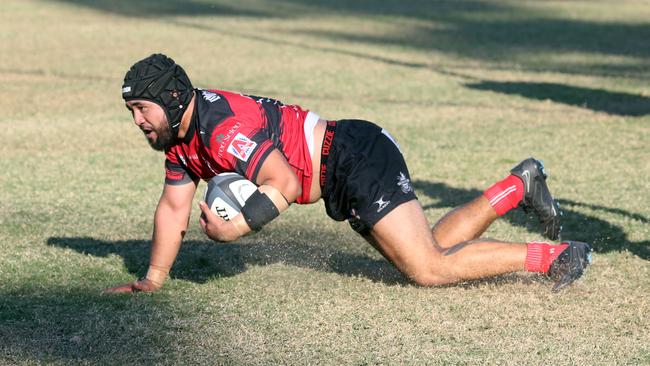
[[623, 104], [500, 32], [162, 8], [200, 261], [604, 236], [507, 33], [496, 32]]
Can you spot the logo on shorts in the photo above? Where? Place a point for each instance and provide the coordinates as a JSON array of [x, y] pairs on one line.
[[241, 147], [382, 204], [354, 214], [327, 142], [404, 183]]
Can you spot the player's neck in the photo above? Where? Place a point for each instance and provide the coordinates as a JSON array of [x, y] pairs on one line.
[[187, 117]]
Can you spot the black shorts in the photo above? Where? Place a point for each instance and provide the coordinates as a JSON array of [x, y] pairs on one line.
[[363, 174]]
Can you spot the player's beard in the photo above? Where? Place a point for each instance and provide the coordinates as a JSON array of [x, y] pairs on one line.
[[164, 138]]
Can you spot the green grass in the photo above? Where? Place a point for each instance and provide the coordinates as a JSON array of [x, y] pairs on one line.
[[468, 87]]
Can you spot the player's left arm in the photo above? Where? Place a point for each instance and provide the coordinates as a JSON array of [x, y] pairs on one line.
[[278, 188], [277, 180]]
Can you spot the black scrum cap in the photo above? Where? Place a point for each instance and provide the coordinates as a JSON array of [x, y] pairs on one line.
[[159, 79]]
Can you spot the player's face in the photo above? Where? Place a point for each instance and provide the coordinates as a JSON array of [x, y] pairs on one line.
[[152, 121]]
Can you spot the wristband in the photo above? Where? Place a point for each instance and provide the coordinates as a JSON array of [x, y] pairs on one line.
[[259, 210], [157, 274]]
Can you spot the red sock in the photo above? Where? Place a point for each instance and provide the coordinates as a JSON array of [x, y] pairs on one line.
[[506, 194], [539, 256]]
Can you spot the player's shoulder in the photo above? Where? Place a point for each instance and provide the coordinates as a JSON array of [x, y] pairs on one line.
[[212, 109], [214, 95]]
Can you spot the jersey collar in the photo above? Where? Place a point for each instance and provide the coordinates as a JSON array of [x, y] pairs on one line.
[[191, 130]]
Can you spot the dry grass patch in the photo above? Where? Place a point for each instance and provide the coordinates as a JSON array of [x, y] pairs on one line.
[[464, 86]]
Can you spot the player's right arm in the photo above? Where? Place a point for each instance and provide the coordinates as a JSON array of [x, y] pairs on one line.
[[170, 224]]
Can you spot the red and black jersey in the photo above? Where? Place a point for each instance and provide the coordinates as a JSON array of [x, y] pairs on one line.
[[232, 132]]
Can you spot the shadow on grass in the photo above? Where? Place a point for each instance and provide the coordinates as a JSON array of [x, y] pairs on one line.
[[162, 8], [500, 32], [79, 326], [200, 261], [496, 31], [604, 236], [623, 104]]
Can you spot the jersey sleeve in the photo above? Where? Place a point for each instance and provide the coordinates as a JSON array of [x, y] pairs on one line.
[[175, 173]]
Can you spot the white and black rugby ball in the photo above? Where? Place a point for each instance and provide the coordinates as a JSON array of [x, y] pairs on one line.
[[226, 194]]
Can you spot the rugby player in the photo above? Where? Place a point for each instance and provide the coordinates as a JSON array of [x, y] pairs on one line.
[[355, 166]]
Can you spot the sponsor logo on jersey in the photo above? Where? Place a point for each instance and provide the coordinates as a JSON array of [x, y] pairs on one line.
[[182, 159], [382, 204], [241, 147], [210, 96], [404, 183], [222, 139]]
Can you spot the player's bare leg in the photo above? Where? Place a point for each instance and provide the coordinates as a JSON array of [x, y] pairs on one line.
[[464, 223], [414, 252]]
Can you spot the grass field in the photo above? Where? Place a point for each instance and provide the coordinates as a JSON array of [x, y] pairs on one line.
[[469, 88]]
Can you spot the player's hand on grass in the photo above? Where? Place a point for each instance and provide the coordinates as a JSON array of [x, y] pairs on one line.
[[143, 285], [215, 227]]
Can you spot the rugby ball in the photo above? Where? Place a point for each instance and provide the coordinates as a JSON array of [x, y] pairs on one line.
[[226, 194]]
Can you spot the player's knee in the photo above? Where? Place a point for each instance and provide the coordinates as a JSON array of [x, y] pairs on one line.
[[433, 277]]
